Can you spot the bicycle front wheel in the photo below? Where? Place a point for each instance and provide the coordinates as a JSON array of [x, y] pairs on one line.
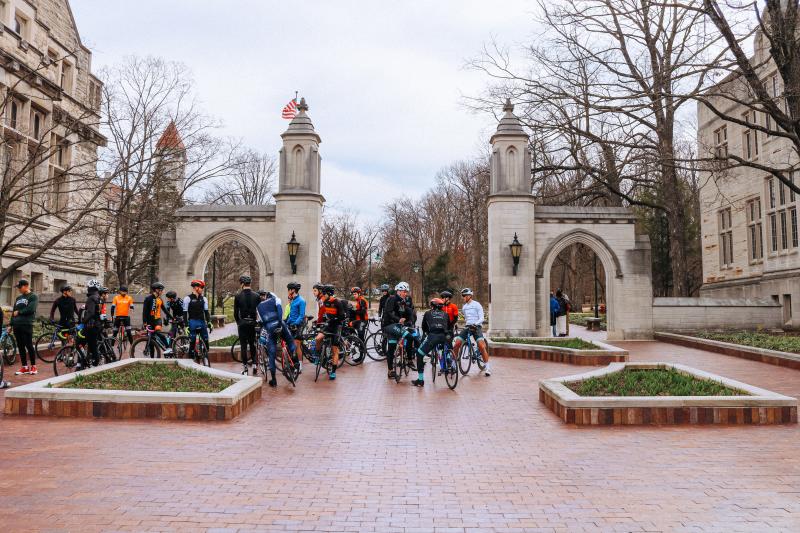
[[202, 351], [145, 347], [450, 372], [352, 350], [399, 364], [287, 367], [47, 352], [465, 359], [375, 347], [9, 350], [180, 346], [236, 351], [65, 360], [434, 363]]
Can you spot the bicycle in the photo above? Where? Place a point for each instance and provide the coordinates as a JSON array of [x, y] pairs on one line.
[[404, 362], [73, 353], [284, 363], [352, 347], [120, 341], [201, 349], [470, 353], [49, 340], [375, 343], [148, 344], [442, 362], [8, 345], [324, 358]]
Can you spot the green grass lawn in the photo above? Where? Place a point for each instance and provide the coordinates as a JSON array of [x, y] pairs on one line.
[[655, 382], [225, 341], [576, 344], [579, 319], [768, 341], [148, 377]]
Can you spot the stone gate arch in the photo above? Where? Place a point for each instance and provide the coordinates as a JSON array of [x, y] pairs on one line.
[[203, 255]]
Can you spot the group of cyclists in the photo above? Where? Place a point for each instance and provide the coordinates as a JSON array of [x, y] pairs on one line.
[[279, 325]]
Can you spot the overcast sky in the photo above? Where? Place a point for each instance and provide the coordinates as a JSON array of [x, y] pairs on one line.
[[384, 80]]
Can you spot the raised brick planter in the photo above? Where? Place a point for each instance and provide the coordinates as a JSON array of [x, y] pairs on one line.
[[38, 399], [759, 407], [771, 357], [603, 356]]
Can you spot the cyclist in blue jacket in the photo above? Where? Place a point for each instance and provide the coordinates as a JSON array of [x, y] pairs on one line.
[[270, 314], [297, 316]]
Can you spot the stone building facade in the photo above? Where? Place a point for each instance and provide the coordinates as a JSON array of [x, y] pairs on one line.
[[50, 103], [749, 224]]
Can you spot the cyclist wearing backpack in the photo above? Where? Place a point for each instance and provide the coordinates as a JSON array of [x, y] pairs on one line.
[[435, 326], [244, 313], [270, 314]]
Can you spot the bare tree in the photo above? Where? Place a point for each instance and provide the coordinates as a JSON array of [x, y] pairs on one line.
[[160, 146], [605, 89], [49, 188], [346, 246], [252, 181]]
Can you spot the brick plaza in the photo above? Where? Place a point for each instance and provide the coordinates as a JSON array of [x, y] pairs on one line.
[[364, 454]]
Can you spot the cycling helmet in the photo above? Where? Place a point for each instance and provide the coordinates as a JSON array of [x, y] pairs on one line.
[[466, 291], [246, 280], [123, 288], [293, 286], [329, 290], [355, 290], [93, 283], [172, 294], [157, 286], [437, 303], [198, 283], [385, 287], [103, 290], [318, 285], [446, 294], [402, 286], [66, 288]]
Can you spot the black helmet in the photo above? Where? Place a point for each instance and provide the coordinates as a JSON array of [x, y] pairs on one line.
[[446, 294], [103, 290], [385, 287], [66, 288], [123, 288], [245, 280], [172, 294], [330, 290], [262, 292], [318, 285], [293, 286], [156, 286]]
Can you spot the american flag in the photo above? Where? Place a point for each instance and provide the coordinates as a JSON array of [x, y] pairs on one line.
[[290, 110]]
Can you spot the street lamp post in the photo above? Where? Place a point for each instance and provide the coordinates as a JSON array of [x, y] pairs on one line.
[[292, 247], [516, 250], [416, 268]]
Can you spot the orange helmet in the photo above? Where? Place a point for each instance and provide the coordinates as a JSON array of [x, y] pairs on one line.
[[355, 290], [199, 283]]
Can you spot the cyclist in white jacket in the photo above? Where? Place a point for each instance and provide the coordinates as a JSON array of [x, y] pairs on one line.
[[473, 316]]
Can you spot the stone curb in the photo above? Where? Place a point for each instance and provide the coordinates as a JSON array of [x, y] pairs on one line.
[[762, 355], [606, 355]]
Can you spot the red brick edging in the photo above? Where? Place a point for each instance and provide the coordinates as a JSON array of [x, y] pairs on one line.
[[162, 411], [669, 415]]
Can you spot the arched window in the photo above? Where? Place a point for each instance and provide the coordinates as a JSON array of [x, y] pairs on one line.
[[513, 167], [14, 113], [298, 166]]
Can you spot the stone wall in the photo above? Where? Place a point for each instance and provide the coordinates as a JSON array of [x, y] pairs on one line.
[[688, 314]]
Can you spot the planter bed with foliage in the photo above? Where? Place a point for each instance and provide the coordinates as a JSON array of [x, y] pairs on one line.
[[773, 349], [569, 350], [661, 393], [171, 389]]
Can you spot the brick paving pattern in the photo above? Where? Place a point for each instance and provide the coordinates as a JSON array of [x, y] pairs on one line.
[[364, 454]]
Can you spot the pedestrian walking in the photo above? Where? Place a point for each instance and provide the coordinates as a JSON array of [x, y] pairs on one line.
[[22, 324]]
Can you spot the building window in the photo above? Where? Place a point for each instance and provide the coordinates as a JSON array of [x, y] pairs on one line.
[[95, 95], [749, 137], [37, 124], [14, 116], [725, 239], [21, 25], [721, 142], [755, 240], [782, 215], [66, 76], [58, 175]]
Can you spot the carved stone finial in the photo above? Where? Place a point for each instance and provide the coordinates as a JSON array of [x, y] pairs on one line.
[[303, 106], [508, 107]]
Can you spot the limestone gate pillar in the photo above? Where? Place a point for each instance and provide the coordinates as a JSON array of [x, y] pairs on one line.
[[298, 204], [512, 299]]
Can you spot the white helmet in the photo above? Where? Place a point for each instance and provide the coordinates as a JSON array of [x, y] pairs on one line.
[[466, 291], [93, 283], [402, 286]]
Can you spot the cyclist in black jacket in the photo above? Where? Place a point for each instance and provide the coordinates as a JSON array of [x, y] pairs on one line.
[[92, 324], [244, 312], [396, 315], [67, 308], [435, 326]]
